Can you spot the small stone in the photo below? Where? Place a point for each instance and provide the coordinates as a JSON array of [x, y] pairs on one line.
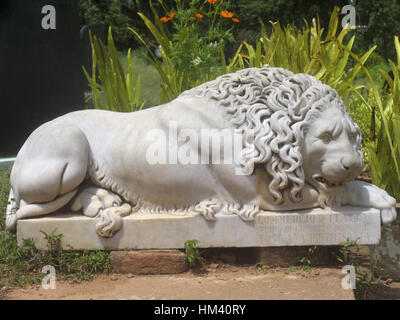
[[114, 278], [130, 275], [316, 273], [389, 281], [149, 261]]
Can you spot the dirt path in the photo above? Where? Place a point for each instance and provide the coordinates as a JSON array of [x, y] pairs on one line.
[[215, 284]]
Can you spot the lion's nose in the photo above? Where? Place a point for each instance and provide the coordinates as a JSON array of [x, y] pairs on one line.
[[350, 163]]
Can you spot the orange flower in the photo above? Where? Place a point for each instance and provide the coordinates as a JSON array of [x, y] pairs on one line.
[[199, 15], [212, 1], [243, 54], [192, 19], [226, 14], [244, 42], [235, 20], [171, 16]]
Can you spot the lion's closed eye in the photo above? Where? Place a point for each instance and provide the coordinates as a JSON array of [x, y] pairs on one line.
[[326, 137]]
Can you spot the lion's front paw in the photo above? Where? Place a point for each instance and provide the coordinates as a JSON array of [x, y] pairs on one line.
[[360, 193], [380, 199], [388, 215], [92, 200]]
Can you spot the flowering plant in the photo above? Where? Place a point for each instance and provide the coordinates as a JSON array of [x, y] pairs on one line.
[[192, 37]]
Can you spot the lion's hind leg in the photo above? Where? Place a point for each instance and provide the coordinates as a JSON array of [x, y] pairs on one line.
[[106, 206], [48, 170]]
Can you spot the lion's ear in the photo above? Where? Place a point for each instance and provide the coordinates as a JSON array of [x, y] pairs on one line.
[[299, 110]]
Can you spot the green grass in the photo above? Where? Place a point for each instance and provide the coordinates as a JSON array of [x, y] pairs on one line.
[[150, 80], [22, 265]]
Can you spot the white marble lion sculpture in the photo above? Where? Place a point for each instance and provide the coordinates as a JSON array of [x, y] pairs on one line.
[[300, 149]]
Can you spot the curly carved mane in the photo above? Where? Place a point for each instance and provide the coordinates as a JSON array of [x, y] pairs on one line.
[[272, 108]]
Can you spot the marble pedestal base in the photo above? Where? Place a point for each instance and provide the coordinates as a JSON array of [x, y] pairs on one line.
[[161, 231]]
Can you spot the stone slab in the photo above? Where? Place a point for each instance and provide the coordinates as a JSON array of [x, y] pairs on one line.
[[149, 261], [162, 231]]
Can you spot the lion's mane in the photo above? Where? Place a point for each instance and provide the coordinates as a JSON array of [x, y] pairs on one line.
[[274, 107]]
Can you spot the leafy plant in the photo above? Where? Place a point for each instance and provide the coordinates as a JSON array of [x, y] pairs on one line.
[[384, 152], [361, 110], [344, 253], [305, 51], [305, 261], [261, 266], [112, 87], [53, 240], [191, 57], [192, 253], [292, 269], [191, 50]]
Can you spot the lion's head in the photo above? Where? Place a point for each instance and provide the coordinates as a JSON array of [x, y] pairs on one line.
[[300, 129]]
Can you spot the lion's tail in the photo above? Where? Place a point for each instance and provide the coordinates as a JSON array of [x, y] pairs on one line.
[[110, 220]]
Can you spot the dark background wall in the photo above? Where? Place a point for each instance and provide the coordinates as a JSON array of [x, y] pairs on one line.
[[40, 70]]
